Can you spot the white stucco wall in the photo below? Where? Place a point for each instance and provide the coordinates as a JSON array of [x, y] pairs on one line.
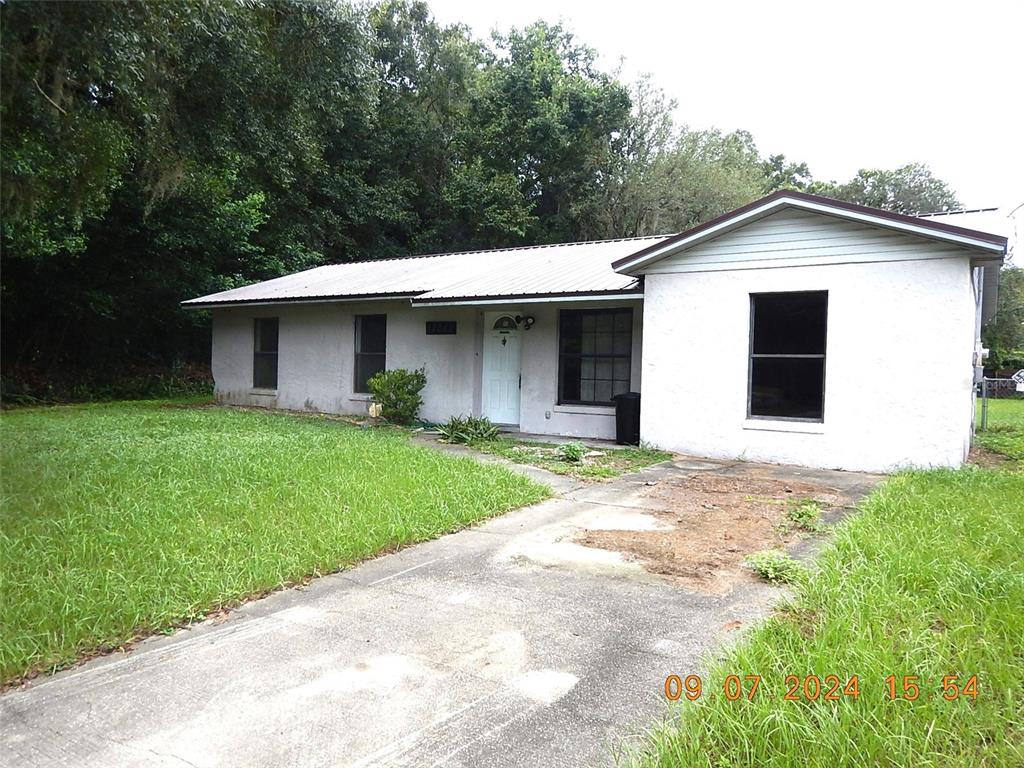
[[316, 358], [898, 371]]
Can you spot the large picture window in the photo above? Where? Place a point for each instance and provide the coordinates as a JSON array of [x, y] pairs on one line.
[[264, 354], [371, 347], [787, 355], [595, 353]]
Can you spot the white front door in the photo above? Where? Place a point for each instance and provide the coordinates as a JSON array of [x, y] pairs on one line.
[[501, 368]]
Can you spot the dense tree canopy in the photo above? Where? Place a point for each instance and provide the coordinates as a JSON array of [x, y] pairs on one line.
[[156, 151], [909, 189], [1004, 334]]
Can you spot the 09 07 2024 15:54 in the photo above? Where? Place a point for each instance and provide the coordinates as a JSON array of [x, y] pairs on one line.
[[827, 688]]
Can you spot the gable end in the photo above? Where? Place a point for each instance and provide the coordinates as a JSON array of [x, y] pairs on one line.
[[985, 247], [793, 237]]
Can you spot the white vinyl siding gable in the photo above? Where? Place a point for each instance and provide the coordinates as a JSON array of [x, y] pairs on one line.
[[800, 238]]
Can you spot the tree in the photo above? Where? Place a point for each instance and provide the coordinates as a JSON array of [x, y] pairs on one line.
[[156, 151], [909, 189], [428, 76], [545, 115], [779, 174], [630, 200], [73, 102], [667, 179], [706, 174], [1004, 334]]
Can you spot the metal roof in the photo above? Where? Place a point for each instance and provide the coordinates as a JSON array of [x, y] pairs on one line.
[[567, 269], [550, 271]]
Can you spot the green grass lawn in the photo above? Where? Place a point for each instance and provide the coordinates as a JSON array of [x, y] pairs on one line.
[[611, 462], [126, 518], [1005, 432], [927, 581]]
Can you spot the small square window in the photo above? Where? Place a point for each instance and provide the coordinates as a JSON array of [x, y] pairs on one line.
[[441, 328]]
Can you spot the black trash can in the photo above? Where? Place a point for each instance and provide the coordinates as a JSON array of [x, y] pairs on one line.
[[627, 418]]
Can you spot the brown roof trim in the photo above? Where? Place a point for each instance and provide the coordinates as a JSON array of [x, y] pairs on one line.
[[193, 304], [938, 226], [842, 205]]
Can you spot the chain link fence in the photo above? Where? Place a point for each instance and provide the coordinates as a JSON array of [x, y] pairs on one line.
[[995, 388]]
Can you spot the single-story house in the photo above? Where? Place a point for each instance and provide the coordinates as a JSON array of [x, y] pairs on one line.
[[797, 329]]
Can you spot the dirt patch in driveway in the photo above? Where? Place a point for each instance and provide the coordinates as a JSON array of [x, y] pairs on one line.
[[713, 522]]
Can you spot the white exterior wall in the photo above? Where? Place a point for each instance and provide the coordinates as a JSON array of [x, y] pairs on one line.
[[898, 368], [316, 356], [316, 352]]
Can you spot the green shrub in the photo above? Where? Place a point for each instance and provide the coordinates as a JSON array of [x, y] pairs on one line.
[[806, 515], [468, 429], [572, 453], [776, 567], [398, 392]]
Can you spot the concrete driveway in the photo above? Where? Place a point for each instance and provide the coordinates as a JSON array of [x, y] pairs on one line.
[[509, 644]]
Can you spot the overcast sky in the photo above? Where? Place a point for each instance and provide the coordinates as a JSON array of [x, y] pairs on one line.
[[868, 84]]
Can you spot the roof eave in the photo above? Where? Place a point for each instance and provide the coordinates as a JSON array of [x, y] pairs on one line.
[[624, 294], [350, 298]]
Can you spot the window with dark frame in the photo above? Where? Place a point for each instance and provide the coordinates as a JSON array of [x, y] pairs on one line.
[[595, 349], [264, 353], [371, 346], [787, 355]]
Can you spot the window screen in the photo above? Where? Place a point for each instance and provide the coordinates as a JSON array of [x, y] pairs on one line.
[[595, 352], [787, 355], [264, 355], [371, 344]]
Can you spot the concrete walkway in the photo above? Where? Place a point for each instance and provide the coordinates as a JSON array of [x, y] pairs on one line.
[[502, 645]]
